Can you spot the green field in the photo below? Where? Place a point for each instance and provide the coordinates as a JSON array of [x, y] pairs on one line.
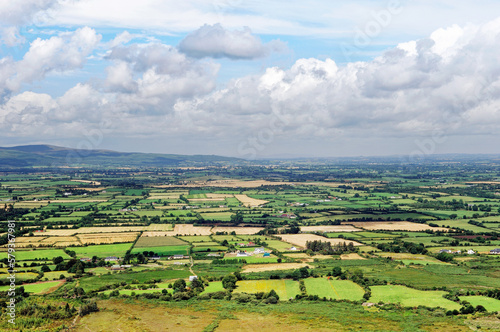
[[164, 251], [197, 238], [214, 286], [38, 254], [410, 297], [93, 283], [285, 288], [334, 289], [35, 288], [102, 250], [489, 303]]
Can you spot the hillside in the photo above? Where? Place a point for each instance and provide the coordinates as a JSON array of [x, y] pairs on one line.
[[49, 155]]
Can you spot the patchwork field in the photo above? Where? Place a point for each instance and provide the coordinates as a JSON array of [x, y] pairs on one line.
[[410, 297], [164, 250], [285, 288], [330, 228], [237, 230], [107, 238], [394, 226], [250, 202], [103, 250], [158, 241], [188, 229], [489, 303], [272, 267], [334, 289], [408, 258], [301, 239]]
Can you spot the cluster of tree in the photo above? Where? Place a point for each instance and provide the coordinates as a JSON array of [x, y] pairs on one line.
[[326, 248], [402, 247]]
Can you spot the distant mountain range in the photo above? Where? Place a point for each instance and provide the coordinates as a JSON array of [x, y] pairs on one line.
[[49, 155]]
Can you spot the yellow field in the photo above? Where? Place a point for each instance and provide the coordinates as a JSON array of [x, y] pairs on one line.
[[108, 238], [301, 239], [330, 228], [250, 202], [272, 267], [30, 204], [158, 227], [393, 226], [238, 230], [188, 229]]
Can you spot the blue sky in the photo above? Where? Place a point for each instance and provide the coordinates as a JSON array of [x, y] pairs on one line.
[[252, 79]]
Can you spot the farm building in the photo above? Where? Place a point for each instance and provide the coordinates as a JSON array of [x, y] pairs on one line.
[[260, 250], [193, 278], [495, 251], [242, 254], [470, 252], [111, 259], [177, 257], [267, 254], [445, 251]]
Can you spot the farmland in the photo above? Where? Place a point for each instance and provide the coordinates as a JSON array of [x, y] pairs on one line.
[[388, 239]]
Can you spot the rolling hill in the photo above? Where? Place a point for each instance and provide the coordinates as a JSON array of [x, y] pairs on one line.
[[56, 156]]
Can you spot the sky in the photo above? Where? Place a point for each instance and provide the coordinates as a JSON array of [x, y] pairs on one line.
[[252, 79]]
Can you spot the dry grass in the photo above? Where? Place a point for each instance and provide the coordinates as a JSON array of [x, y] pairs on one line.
[[330, 228], [250, 202], [219, 196], [108, 238], [351, 256], [301, 239], [116, 315], [394, 226], [272, 267], [237, 230]]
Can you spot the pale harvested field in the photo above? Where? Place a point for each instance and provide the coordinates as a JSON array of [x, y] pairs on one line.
[[250, 202], [183, 229], [301, 239], [330, 228], [238, 230], [57, 232], [97, 183], [351, 256], [29, 239], [108, 238], [159, 227], [55, 240], [272, 267], [154, 233], [394, 226]]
